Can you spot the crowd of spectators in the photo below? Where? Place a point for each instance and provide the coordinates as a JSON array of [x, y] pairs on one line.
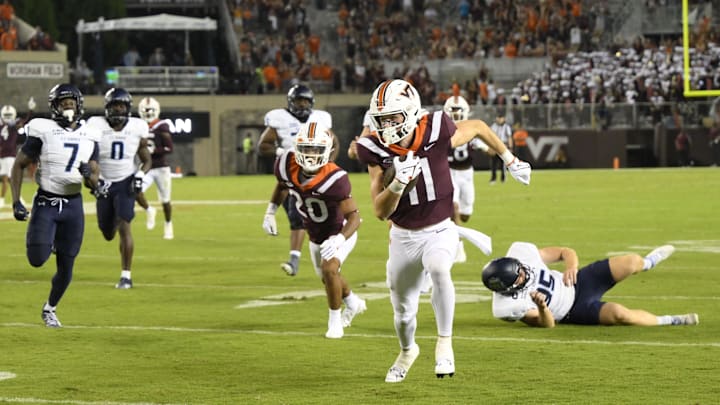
[[278, 48], [372, 31], [9, 40]]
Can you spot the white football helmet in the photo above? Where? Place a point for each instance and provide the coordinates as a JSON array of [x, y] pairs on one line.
[[395, 97], [8, 114], [149, 109], [457, 108], [313, 145]]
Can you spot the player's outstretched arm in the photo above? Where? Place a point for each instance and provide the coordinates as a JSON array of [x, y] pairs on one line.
[[278, 196], [469, 129]]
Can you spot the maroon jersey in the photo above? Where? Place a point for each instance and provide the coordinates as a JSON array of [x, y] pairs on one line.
[[318, 197], [8, 140], [460, 158], [431, 200], [159, 145]]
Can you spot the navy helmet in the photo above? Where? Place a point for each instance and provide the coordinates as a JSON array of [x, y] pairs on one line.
[[500, 275], [114, 96], [65, 117], [295, 94]]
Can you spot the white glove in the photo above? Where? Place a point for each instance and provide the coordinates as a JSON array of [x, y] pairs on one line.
[[329, 248], [31, 104], [520, 171], [279, 151], [408, 169], [138, 181], [270, 225]]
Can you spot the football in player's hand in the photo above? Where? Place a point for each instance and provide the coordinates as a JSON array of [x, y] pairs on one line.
[[389, 175]]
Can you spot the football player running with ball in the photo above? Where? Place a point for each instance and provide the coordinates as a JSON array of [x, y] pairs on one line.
[[281, 127], [123, 138], [422, 236], [321, 190]]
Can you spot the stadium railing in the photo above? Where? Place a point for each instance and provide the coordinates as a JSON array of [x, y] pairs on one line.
[[165, 79]]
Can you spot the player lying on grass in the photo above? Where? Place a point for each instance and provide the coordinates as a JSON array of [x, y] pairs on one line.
[[526, 289]]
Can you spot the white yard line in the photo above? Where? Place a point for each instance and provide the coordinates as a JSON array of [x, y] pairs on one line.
[[17, 400], [174, 329], [89, 206]]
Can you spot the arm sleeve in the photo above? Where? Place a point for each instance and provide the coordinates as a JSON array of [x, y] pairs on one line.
[[32, 147]]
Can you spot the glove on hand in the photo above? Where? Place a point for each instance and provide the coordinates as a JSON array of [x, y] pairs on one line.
[[520, 171], [270, 225], [103, 189], [137, 182], [330, 246], [19, 211], [408, 169]]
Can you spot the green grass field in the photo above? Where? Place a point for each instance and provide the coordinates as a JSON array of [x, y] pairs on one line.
[[213, 320]]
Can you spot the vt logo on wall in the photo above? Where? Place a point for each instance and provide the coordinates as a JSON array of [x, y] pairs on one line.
[[545, 148]]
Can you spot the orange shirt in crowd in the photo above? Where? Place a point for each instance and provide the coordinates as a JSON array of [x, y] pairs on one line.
[[510, 50], [284, 74], [270, 73], [576, 9], [543, 24], [326, 72], [343, 13], [314, 44], [316, 71], [483, 91], [520, 137], [436, 33], [300, 52], [7, 11], [532, 20], [8, 40], [341, 31]]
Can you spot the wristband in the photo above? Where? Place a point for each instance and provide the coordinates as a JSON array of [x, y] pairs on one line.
[[271, 209], [396, 186], [507, 157], [140, 174]]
